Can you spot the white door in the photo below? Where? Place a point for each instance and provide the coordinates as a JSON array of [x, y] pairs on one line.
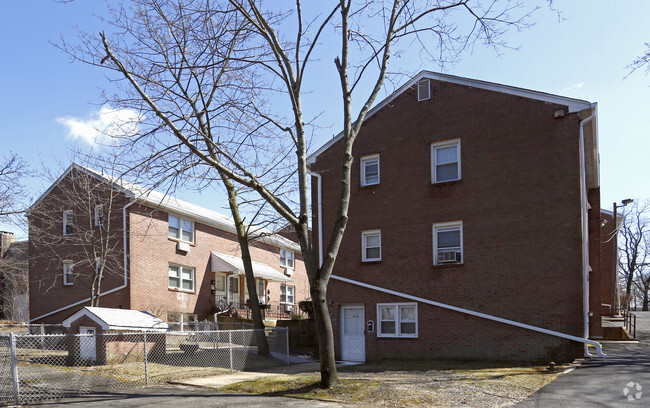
[[353, 339], [87, 347]]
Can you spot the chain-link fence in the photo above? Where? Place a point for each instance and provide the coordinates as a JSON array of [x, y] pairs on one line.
[[36, 367]]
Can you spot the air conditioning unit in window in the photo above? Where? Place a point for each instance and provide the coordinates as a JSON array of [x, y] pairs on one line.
[[183, 246], [288, 308], [449, 256], [288, 271]]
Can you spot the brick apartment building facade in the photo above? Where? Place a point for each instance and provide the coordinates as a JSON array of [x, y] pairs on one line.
[[167, 256], [471, 195]]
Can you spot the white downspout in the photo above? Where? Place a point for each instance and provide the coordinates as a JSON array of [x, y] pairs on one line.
[[585, 229], [124, 285], [477, 314], [320, 216]]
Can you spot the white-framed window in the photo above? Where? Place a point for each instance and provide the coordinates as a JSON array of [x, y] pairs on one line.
[[68, 273], [370, 170], [233, 283], [371, 245], [99, 215], [181, 277], [397, 320], [424, 90], [68, 222], [448, 243], [179, 321], [445, 161], [182, 229], [286, 258], [287, 294], [98, 268]]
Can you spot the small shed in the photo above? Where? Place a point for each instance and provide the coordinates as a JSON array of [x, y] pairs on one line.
[[102, 333]]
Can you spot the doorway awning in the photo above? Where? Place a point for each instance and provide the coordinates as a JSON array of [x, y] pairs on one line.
[[234, 264]]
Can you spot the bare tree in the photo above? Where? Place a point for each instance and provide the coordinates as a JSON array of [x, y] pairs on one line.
[[223, 81], [82, 215], [634, 250], [14, 279], [642, 61], [13, 170]]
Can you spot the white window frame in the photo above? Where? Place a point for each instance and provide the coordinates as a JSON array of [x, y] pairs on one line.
[[434, 164], [398, 321], [420, 86], [364, 162], [180, 228], [284, 294], [284, 259], [179, 275], [68, 222], [68, 273], [365, 247], [447, 226], [184, 321], [99, 215], [98, 266]]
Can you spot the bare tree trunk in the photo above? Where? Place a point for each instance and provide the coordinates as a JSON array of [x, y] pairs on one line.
[[242, 237], [645, 301], [329, 374]]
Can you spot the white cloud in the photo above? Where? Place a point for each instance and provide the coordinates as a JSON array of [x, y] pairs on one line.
[[103, 126], [574, 86]]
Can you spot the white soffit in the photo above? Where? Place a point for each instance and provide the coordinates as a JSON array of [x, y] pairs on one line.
[[234, 264]]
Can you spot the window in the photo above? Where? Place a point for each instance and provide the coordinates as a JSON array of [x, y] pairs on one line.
[[99, 215], [181, 277], [371, 246], [233, 282], [397, 320], [448, 243], [68, 222], [182, 321], [445, 161], [98, 268], [182, 229], [286, 258], [424, 90], [370, 170], [287, 294], [68, 273]]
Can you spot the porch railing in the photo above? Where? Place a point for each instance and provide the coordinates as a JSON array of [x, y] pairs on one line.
[[276, 310]]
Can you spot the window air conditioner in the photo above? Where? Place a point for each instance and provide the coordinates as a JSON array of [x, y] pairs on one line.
[[288, 271], [183, 246], [448, 256], [288, 308]]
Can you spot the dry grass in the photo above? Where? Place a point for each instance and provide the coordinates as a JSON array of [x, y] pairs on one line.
[[412, 384]]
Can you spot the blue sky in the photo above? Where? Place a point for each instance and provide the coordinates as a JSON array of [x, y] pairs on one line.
[[43, 94]]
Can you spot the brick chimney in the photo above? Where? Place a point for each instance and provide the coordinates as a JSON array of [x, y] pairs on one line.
[[6, 239]]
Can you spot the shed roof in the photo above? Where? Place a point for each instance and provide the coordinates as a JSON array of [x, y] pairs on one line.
[[119, 319]]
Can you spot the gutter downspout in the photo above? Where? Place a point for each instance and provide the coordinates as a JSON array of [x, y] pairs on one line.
[[124, 285], [586, 341], [320, 216], [585, 228]]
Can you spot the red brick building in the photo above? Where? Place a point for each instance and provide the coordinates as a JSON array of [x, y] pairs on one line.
[[474, 225], [160, 254]]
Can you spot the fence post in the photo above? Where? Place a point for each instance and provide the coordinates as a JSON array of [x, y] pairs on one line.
[[146, 367], [42, 331], [286, 336], [230, 348], [14, 367]]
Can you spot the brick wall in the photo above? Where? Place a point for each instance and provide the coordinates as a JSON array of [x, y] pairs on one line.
[[152, 251], [519, 201]]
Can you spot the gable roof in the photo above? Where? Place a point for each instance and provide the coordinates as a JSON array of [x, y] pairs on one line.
[[574, 105], [119, 319], [152, 198]]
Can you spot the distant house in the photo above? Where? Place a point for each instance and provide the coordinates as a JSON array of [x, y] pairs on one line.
[[474, 225], [13, 278], [167, 256]]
